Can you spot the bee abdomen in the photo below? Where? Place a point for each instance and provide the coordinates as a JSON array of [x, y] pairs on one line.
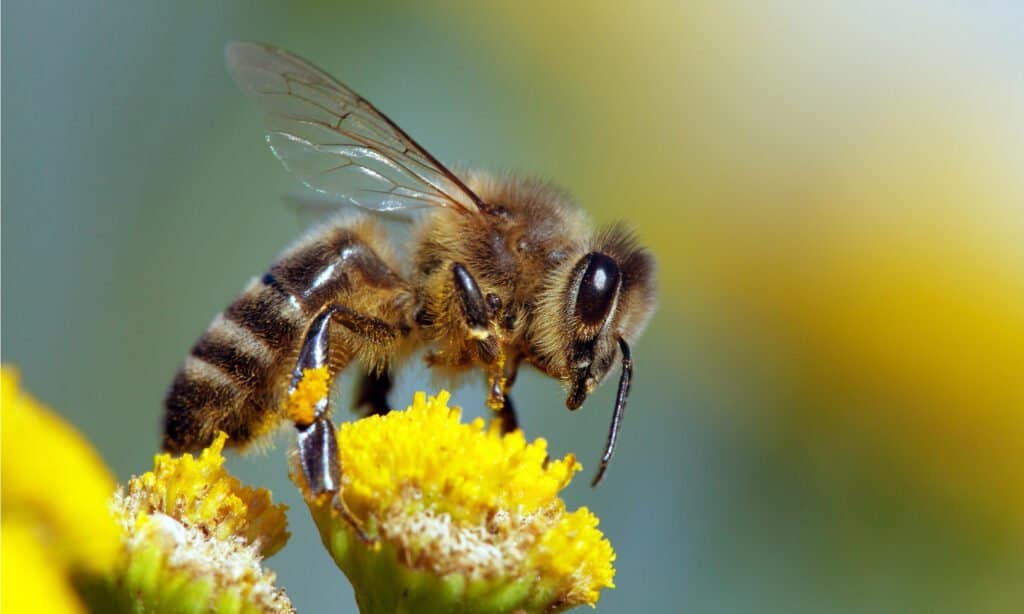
[[203, 400], [270, 314], [230, 380], [236, 351]]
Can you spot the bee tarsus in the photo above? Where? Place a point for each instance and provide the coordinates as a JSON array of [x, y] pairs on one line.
[[318, 455]]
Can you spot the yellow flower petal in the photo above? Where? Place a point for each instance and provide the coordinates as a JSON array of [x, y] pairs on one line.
[[33, 580], [53, 476]]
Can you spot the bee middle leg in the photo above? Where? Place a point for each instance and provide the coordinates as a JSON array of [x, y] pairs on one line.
[[372, 393], [508, 417]]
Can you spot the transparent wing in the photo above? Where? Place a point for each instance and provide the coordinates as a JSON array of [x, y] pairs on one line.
[[335, 141], [311, 208]]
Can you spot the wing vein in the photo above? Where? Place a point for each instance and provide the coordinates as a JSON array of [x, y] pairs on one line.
[[300, 101]]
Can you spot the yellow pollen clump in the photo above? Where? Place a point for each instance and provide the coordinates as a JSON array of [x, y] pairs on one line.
[[301, 404]]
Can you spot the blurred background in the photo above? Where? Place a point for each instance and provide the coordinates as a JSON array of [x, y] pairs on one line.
[[828, 411]]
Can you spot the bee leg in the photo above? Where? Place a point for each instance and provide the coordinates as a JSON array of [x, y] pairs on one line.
[[500, 391], [317, 442], [477, 314], [474, 308], [372, 393], [507, 415], [318, 447], [318, 453]]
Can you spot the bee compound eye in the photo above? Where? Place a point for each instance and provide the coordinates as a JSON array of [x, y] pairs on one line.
[[598, 287]]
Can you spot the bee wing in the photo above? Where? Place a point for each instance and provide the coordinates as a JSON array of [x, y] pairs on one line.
[[311, 208], [335, 141]]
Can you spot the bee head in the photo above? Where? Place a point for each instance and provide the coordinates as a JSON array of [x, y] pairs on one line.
[[592, 302]]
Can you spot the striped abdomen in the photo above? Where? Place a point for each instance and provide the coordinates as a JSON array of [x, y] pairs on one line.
[[235, 374]]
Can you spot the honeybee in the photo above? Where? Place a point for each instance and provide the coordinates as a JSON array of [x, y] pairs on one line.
[[503, 271]]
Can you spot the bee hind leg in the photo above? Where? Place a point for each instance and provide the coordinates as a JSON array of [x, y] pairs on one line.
[[318, 448], [317, 442]]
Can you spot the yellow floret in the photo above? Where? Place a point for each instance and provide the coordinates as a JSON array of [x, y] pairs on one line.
[[200, 492], [574, 550], [463, 470]]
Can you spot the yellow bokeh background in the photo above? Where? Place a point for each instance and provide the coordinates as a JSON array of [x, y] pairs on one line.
[[876, 245]]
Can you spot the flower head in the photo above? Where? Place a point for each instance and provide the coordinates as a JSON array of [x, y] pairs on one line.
[[54, 513], [53, 476], [464, 517], [196, 537]]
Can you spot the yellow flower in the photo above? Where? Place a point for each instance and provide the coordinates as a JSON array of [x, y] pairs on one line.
[[32, 580], [185, 537], [463, 517], [55, 516], [196, 537]]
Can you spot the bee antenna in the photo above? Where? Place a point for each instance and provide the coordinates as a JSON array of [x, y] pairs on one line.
[[620, 409]]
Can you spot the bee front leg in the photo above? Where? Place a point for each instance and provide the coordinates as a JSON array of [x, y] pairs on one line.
[[500, 389], [476, 316], [474, 306]]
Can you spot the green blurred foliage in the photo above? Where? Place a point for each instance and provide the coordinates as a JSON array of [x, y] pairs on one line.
[[827, 415]]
